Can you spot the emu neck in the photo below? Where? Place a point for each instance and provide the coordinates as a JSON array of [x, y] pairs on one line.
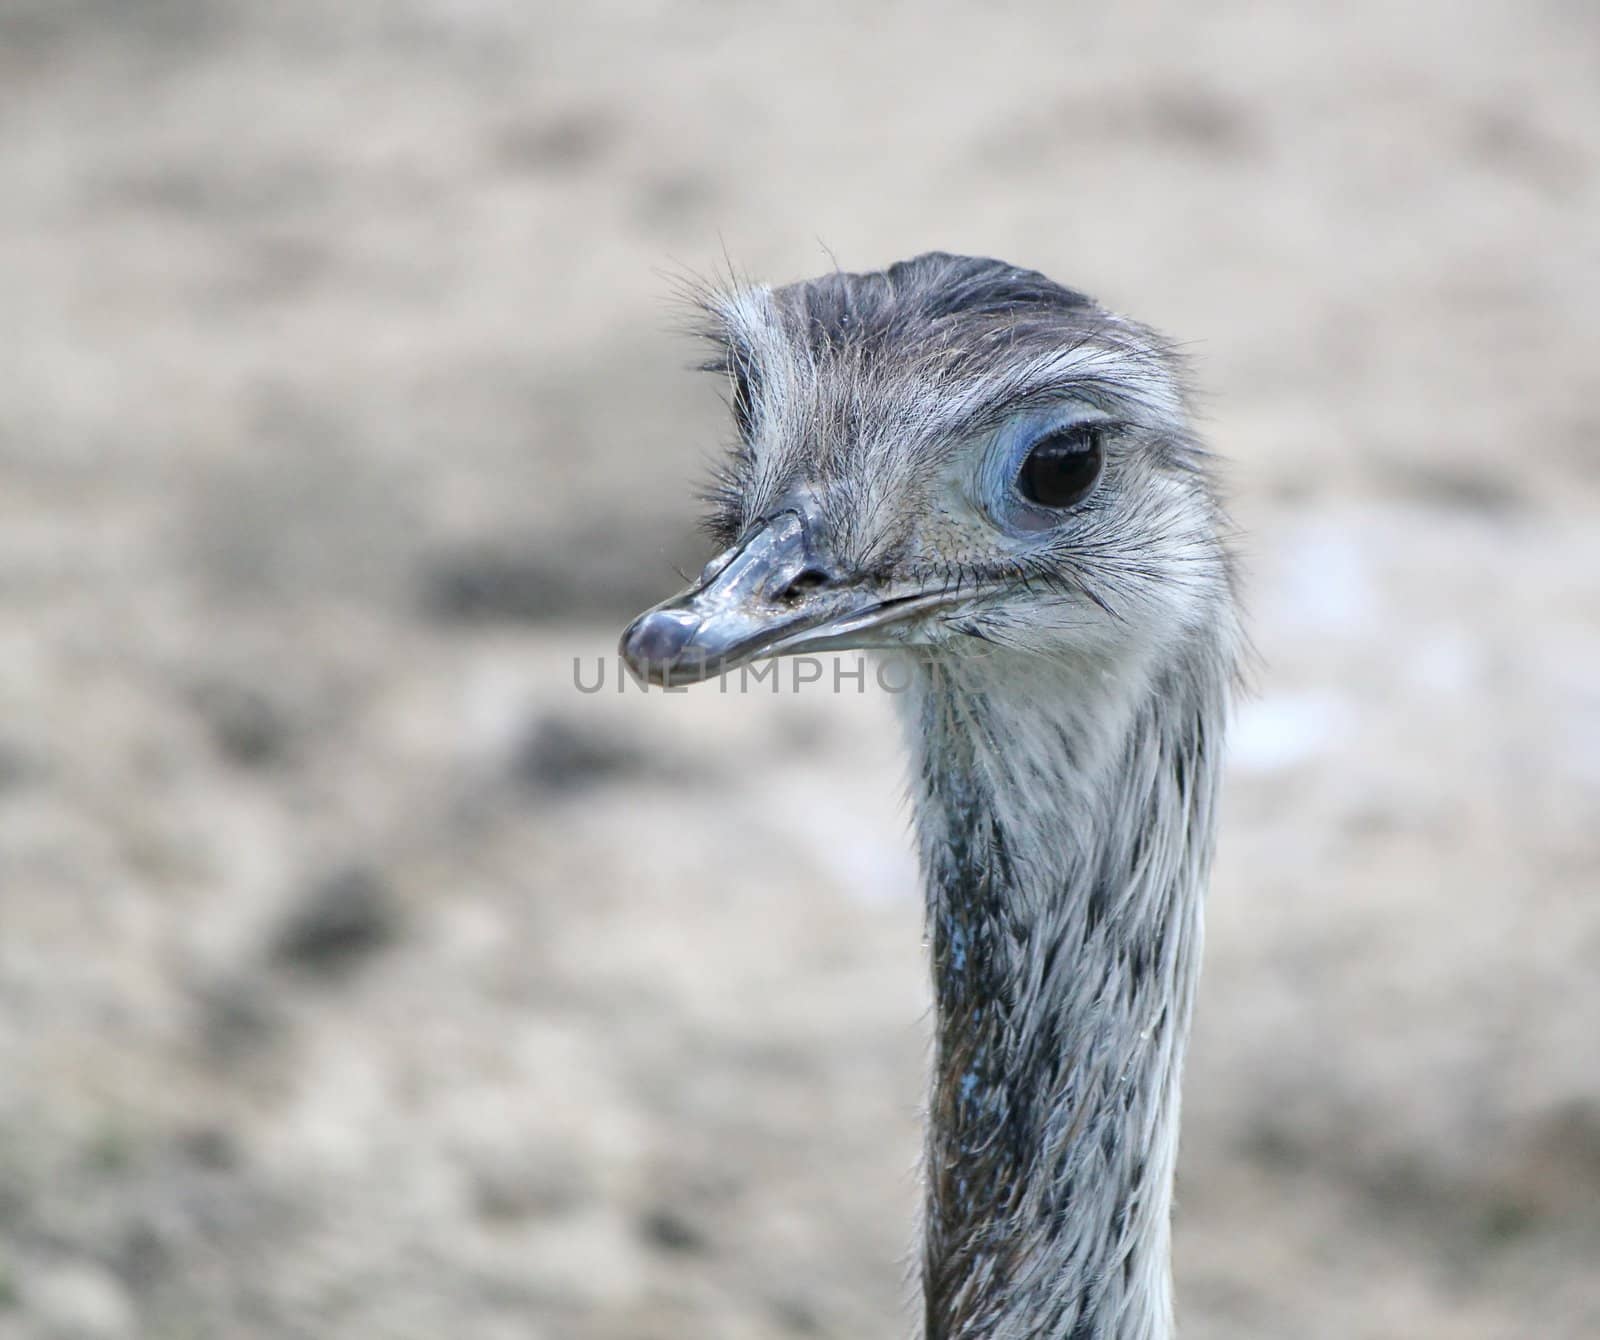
[[1065, 820]]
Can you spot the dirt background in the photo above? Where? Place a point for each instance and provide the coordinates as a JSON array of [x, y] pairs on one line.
[[361, 978]]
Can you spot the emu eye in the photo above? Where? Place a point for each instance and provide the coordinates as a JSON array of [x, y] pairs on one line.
[[1063, 467]]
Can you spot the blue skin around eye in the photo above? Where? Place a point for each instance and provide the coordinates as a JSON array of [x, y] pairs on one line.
[[1002, 461]]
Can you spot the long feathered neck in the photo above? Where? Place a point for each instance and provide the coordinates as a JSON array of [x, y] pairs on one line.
[[1065, 817]]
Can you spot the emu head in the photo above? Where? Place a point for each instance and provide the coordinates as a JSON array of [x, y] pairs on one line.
[[953, 454]]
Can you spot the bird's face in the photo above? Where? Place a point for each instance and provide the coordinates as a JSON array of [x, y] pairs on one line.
[[954, 456]]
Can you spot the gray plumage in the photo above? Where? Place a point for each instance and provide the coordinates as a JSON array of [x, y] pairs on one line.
[[1073, 663]]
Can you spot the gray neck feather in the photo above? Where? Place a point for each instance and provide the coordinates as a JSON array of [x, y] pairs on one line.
[[1065, 816]]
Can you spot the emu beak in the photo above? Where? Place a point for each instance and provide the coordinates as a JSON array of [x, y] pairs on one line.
[[768, 595]]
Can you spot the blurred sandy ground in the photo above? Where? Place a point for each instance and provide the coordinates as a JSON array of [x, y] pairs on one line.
[[358, 977]]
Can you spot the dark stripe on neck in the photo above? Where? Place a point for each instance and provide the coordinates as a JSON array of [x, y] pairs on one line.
[[1054, 998]]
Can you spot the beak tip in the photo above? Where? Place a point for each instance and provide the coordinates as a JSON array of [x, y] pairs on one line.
[[654, 642]]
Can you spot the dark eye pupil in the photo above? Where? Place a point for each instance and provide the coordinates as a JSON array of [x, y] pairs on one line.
[[1062, 468]]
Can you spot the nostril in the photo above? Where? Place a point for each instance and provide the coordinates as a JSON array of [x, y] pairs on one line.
[[804, 582]]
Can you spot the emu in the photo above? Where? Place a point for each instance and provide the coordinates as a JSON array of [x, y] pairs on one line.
[[990, 473]]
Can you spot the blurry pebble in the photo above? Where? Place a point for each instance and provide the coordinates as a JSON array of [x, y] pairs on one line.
[[15, 766], [796, 1316], [248, 727], [558, 754], [341, 919], [487, 585], [1447, 485], [210, 1147], [236, 1017], [143, 1254], [555, 144], [666, 1228], [505, 1193], [628, 563]]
